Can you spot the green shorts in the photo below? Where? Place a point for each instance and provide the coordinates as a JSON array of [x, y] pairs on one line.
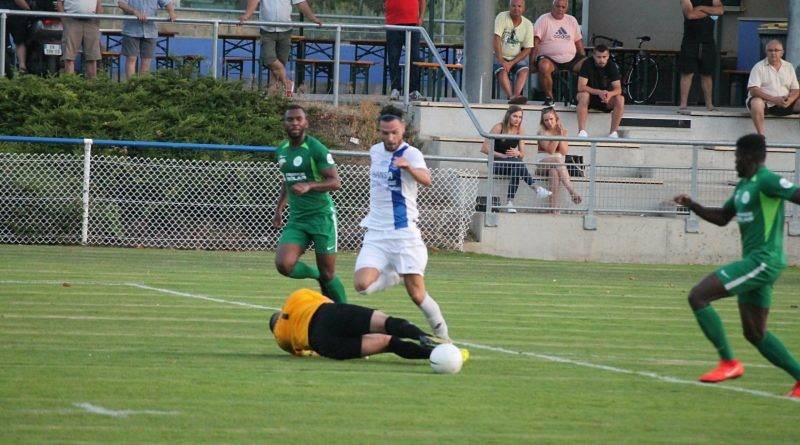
[[321, 229], [751, 279]]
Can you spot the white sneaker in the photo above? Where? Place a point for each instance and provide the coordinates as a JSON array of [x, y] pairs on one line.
[[583, 134], [510, 207], [542, 192], [392, 277], [395, 95], [613, 135]]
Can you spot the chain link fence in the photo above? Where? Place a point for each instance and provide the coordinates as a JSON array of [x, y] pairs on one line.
[[189, 204]]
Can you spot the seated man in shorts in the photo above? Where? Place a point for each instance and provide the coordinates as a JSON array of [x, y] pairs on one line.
[[513, 40], [600, 88], [311, 323], [557, 46], [773, 88]]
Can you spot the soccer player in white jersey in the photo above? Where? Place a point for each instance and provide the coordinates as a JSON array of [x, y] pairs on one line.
[[393, 250]]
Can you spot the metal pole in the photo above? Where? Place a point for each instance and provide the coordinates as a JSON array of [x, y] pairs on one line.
[[407, 69], [793, 34], [692, 223], [441, 24], [337, 48], [214, 40], [3, 18], [490, 219], [590, 220], [794, 222], [87, 167]]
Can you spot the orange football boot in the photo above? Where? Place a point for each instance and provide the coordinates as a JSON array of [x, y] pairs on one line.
[[726, 369], [795, 392]]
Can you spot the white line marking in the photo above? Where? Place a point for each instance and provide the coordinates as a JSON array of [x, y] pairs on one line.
[[60, 282], [94, 409], [201, 297], [652, 375]]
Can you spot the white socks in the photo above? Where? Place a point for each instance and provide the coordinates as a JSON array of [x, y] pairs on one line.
[[433, 314], [386, 279]]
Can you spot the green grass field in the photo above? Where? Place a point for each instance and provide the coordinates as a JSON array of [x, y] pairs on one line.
[[118, 345]]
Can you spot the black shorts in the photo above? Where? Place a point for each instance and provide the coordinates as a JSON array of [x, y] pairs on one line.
[[566, 66], [19, 28], [596, 104], [697, 58], [335, 330], [776, 110]]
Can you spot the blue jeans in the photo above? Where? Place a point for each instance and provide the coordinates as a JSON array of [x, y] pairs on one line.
[[515, 170], [395, 40]]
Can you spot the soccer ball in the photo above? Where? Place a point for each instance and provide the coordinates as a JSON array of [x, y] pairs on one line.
[[446, 359]]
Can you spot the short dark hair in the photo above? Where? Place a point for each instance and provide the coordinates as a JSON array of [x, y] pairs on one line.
[[601, 48], [390, 113], [753, 146], [294, 107], [273, 320]]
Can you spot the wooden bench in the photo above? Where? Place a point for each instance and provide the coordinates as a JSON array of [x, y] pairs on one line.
[[358, 68], [110, 61], [233, 65], [433, 77]]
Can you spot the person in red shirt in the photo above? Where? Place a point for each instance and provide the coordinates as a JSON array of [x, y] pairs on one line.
[[407, 13]]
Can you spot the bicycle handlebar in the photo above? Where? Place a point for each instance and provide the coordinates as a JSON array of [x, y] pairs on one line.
[[614, 42]]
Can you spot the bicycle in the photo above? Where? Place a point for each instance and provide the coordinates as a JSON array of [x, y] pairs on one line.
[[640, 81]]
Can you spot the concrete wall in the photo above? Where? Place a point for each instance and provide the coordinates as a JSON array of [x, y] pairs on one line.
[[663, 20], [618, 239]]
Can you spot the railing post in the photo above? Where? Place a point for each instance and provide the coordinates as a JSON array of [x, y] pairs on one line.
[[3, 18], [590, 220], [490, 219], [794, 221], [87, 169], [407, 69], [692, 223], [214, 43], [337, 49]]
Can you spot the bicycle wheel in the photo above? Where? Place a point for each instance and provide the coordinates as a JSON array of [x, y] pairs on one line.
[[642, 80]]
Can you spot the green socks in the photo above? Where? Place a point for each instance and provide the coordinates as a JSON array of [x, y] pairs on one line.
[[774, 351], [711, 325], [334, 289], [302, 270]]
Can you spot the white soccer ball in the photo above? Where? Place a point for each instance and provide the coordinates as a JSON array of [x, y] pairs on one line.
[[446, 359]]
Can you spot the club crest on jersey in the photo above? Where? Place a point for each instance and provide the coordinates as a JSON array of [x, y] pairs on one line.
[[297, 161], [745, 197]]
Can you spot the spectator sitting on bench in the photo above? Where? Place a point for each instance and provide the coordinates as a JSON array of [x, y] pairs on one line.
[[513, 40], [773, 88], [508, 155], [551, 156], [600, 88], [557, 46]]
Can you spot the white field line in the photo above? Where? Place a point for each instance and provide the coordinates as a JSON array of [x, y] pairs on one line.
[[61, 282], [94, 409], [201, 297]]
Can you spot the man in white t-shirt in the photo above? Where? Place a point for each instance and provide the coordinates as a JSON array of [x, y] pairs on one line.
[[513, 40], [773, 88], [81, 32], [557, 45], [393, 249], [276, 41]]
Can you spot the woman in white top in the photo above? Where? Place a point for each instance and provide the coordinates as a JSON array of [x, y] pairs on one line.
[[552, 155]]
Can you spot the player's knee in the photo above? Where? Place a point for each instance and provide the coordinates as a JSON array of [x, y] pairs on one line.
[[284, 267], [326, 274], [361, 285], [753, 335], [696, 299]]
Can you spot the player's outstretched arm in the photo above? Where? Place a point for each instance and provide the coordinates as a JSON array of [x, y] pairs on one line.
[[277, 219], [720, 216]]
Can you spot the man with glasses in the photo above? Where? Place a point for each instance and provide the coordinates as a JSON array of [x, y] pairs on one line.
[[393, 250], [513, 40], [773, 88]]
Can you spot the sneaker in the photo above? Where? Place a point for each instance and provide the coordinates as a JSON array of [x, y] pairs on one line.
[[429, 341], [542, 192], [416, 95], [395, 95], [726, 369], [392, 277], [519, 100], [441, 332], [464, 354], [794, 393], [613, 135], [510, 207], [548, 102], [583, 134]]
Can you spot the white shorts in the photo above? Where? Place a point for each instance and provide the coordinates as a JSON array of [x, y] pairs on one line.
[[404, 251]]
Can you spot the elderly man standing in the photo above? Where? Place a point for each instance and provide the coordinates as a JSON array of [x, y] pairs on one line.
[[276, 41], [773, 88], [81, 32], [139, 37], [558, 45], [698, 50], [513, 40]]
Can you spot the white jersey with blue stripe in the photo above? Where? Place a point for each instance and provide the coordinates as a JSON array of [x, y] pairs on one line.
[[392, 191]]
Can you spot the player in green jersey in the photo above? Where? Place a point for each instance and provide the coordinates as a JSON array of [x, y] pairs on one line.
[[309, 173], [757, 203]]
